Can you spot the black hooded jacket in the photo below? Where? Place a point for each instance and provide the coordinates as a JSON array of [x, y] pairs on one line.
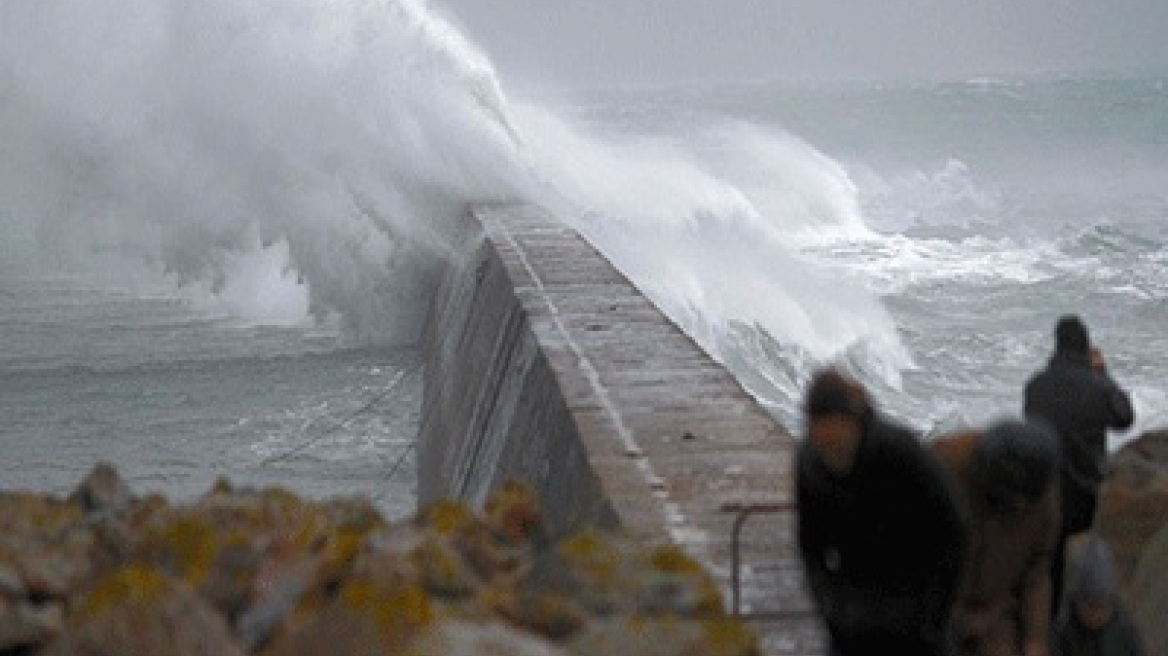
[[882, 546], [1082, 403]]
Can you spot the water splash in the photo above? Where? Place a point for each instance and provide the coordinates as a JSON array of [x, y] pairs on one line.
[[292, 160], [717, 238], [173, 134]]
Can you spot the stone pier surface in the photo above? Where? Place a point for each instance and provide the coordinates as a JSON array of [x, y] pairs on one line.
[[545, 364]]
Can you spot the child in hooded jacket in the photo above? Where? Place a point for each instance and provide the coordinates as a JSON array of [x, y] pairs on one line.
[[1095, 621]]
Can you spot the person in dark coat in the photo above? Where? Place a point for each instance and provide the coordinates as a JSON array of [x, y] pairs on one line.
[[880, 531], [1075, 393], [1007, 475], [1095, 621]]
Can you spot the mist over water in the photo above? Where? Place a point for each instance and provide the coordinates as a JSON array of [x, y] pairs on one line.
[[297, 161], [286, 157]]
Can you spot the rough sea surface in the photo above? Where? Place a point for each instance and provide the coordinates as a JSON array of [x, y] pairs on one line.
[[177, 397], [222, 231]]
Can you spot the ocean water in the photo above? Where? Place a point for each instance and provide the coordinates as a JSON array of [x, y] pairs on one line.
[[223, 222], [177, 395], [953, 222]]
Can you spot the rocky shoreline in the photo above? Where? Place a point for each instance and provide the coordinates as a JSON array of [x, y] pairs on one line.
[[243, 571], [239, 572]]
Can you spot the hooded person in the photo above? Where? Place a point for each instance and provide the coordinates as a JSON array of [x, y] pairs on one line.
[[1006, 475], [1095, 621], [1075, 394], [881, 534]]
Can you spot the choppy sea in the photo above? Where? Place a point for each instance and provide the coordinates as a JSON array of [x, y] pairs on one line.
[[221, 229]]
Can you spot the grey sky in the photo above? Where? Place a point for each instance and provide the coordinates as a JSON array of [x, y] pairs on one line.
[[601, 42]]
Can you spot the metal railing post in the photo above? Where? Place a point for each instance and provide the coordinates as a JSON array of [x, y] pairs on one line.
[[744, 511]]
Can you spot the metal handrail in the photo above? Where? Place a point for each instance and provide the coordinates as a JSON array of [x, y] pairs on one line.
[[744, 510]]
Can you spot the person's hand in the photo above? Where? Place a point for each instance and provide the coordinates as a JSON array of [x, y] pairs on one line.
[[1097, 361]]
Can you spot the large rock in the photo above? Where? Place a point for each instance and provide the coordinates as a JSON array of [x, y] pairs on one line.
[[103, 490], [139, 610], [1149, 594], [1133, 517], [1134, 499], [45, 551]]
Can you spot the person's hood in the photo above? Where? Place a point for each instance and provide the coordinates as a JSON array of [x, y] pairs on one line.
[[1071, 336], [1095, 577], [1016, 461]]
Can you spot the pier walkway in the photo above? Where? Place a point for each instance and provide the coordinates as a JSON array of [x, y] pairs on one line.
[[546, 363]]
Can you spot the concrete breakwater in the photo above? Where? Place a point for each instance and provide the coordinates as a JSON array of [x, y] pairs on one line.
[[545, 364]]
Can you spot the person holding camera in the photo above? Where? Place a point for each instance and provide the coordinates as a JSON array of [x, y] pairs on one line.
[[1076, 394]]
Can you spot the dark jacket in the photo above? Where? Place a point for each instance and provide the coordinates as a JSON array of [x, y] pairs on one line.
[[883, 545], [1005, 594], [1081, 403]]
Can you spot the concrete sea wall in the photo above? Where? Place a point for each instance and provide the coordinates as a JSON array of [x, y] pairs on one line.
[[544, 363], [493, 407]]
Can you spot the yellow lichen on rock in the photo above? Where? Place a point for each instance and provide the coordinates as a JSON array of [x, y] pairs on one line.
[[591, 553], [132, 585], [339, 552], [265, 572], [37, 513], [441, 570], [184, 545], [673, 559], [399, 610], [445, 516], [727, 636], [140, 610]]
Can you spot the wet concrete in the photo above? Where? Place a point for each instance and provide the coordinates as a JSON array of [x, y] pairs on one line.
[[545, 363]]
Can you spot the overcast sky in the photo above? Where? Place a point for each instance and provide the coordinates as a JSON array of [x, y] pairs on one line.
[[603, 42]]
